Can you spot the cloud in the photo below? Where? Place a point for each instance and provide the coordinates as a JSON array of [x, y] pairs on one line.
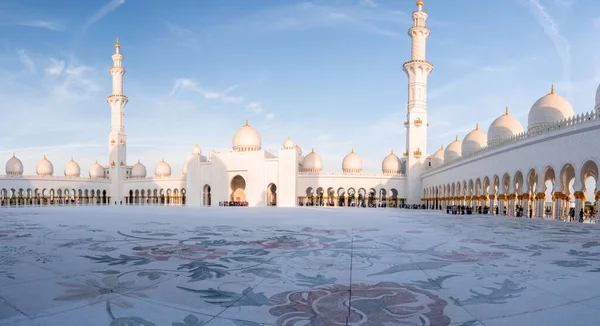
[[96, 16], [26, 60], [254, 107], [269, 116], [183, 36], [52, 25], [186, 83], [552, 29], [72, 80]]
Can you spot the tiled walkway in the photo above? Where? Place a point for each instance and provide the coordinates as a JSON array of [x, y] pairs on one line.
[[177, 266]]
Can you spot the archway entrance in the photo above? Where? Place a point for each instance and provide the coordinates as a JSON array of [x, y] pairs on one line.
[[206, 195], [272, 195], [238, 187]]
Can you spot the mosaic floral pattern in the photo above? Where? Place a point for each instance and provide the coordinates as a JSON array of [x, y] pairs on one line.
[[413, 270]]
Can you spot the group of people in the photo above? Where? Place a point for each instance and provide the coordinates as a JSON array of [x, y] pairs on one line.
[[233, 203]]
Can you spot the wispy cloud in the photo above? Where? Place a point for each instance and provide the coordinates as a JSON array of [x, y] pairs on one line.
[[26, 60], [552, 29], [53, 25], [72, 80], [183, 36], [100, 13], [186, 83]]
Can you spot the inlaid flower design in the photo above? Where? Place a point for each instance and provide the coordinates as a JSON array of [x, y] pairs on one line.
[[385, 303], [287, 242], [94, 291], [166, 251]]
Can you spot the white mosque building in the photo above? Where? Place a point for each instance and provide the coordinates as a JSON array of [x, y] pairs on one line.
[[544, 168]]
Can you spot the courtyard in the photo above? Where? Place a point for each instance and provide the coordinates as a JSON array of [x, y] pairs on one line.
[[181, 266]]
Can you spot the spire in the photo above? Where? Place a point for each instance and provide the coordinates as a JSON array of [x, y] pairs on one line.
[[506, 112], [352, 149], [552, 89], [44, 156], [456, 138], [442, 146], [13, 154], [392, 151], [117, 46], [246, 122], [312, 150], [420, 5], [477, 126]]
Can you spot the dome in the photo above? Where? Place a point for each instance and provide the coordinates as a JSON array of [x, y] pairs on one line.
[[312, 162], [246, 139], [352, 163], [14, 166], [438, 157], [184, 167], [453, 151], [96, 171], [547, 110], [72, 169], [212, 153], [45, 168], [391, 164], [474, 141], [163, 169], [197, 150], [504, 127], [138, 170], [288, 144]]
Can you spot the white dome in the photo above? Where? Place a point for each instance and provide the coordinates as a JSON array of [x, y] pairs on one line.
[[96, 171], [438, 157], [14, 166], [547, 110], [474, 141], [184, 167], [312, 162], [163, 169], [138, 170], [504, 127], [352, 163], [246, 139], [72, 169], [288, 144], [45, 168], [196, 150], [391, 164], [453, 151]]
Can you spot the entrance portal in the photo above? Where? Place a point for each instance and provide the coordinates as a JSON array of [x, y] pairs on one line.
[[238, 187]]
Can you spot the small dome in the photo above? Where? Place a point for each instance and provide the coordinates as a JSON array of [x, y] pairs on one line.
[[438, 157], [14, 166], [391, 164], [288, 144], [504, 127], [45, 168], [96, 171], [163, 169], [246, 139], [453, 151], [474, 141], [197, 150], [549, 109], [138, 170], [212, 154], [72, 169], [299, 150], [312, 162], [184, 167], [352, 163]]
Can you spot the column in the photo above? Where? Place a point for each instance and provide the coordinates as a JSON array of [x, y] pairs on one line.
[[511, 205], [491, 204], [525, 199], [557, 197]]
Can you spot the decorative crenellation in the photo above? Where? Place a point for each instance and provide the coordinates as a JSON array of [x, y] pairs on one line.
[[567, 123]]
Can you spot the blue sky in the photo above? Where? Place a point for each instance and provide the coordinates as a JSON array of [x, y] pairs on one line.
[[327, 73]]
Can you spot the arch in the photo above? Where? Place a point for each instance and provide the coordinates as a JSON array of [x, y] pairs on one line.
[[505, 188], [238, 189], [567, 174], [206, 200], [330, 196], [486, 186], [518, 183], [272, 195], [532, 181]]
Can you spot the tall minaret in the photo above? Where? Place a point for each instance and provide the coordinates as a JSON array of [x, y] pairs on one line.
[[117, 139], [417, 70]]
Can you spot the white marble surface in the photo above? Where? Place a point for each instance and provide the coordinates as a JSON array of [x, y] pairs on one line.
[[178, 266]]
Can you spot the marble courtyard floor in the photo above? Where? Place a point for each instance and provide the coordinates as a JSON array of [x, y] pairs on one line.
[[178, 266]]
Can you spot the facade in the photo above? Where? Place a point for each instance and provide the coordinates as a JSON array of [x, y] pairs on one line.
[[546, 166]]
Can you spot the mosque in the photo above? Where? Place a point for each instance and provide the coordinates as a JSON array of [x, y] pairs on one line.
[[543, 169]]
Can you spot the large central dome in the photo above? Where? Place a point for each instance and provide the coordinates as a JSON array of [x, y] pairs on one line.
[[246, 139]]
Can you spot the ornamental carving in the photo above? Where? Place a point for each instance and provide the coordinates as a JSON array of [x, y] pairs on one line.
[[417, 153], [112, 163], [405, 154], [122, 142], [406, 123], [112, 142], [122, 164], [418, 122]]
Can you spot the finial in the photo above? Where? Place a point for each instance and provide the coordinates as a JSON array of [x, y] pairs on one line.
[[552, 89], [506, 112], [117, 45], [456, 137], [312, 150], [163, 159], [477, 126], [392, 151], [246, 122], [71, 158], [352, 149], [96, 161], [139, 161], [420, 3], [442, 146], [44, 156], [13, 154]]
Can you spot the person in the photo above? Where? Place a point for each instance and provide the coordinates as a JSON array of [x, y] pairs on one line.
[[530, 212], [581, 216]]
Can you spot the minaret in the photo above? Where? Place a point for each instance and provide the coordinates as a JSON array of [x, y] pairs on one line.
[[417, 70], [117, 139]]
